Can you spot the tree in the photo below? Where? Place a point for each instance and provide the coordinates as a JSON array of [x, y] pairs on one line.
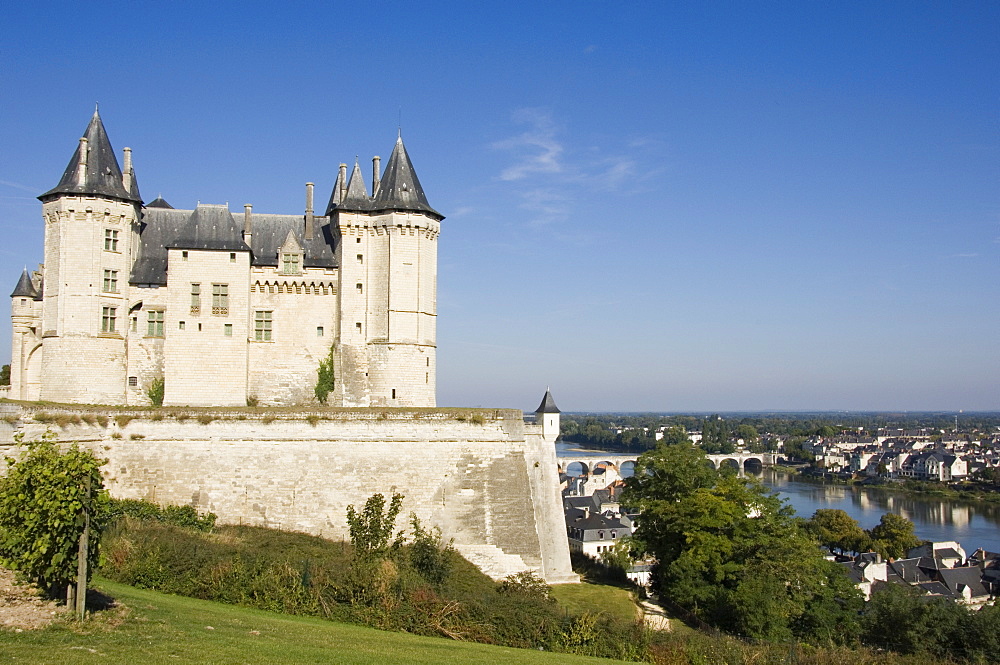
[[893, 536], [734, 554], [5, 375], [371, 530], [837, 530], [44, 499]]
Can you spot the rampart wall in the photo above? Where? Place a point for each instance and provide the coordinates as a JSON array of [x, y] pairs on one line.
[[486, 478]]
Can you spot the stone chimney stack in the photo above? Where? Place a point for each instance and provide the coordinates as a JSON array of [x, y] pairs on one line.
[[309, 211], [82, 170], [127, 171], [376, 164], [342, 179], [247, 226]]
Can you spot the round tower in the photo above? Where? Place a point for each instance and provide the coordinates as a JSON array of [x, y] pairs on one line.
[[91, 222], [387, 257]]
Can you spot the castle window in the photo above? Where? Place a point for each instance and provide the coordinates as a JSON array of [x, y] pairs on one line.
[[110, 240], [358, 326], [361, 258], [262, 326], [358, 240], [110, 281], [184, 255], [394, 393], [232, 257], [108, 319], [290, 264], [133, 381], [361, 289], [220, 299], [227, 330], [154, 323], [134, 324], [319, 331], [196, 299], [180, 325]]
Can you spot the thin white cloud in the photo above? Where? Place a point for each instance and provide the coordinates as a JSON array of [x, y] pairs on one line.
[[17, 185], [536, 149]]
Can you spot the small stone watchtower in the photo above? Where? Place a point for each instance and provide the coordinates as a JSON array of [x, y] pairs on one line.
[[547, 415]]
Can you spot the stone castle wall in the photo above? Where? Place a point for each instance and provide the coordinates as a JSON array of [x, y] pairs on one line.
[[488, 481]]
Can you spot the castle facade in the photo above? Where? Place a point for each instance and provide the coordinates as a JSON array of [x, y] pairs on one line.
[[222, 310]]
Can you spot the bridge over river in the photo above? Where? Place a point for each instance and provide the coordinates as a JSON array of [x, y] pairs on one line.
[[599, 470]]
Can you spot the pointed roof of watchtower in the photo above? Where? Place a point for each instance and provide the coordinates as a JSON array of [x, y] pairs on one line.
[[399, 188], [97, 172], [357, 192], [548, 404], [24, 288]]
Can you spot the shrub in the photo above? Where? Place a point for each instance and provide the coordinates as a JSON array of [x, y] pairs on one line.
[[371, 530], [252, 400], [428, 554], [313, 419], [205, 418], [139, 509], [43, 500], [155, 391], [123, 420], [525, 583], [325, 379]]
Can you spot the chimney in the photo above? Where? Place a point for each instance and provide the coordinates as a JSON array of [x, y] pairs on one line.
[[127, 171], [82, 165], [247, 228], [376, 164], [342, 179], [309, 211]]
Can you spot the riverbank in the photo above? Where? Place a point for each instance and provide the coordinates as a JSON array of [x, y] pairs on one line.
[[965, 492]]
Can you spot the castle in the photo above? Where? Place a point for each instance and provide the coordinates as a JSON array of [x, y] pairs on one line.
[[219, 311]]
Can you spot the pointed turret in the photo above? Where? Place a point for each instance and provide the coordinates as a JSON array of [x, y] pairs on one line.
[[24, 288], [547, 415], [399, 188], [94, 169], [357, 193]]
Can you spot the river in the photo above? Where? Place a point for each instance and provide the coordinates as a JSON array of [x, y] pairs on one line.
[[974, 524]]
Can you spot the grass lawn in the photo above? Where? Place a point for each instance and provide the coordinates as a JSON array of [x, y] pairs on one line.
[[596, 599], [154, 628]]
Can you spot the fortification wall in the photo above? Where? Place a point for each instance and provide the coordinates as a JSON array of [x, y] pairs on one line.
[[484, 477]]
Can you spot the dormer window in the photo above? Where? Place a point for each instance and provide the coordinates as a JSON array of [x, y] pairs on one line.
[[290, 264]]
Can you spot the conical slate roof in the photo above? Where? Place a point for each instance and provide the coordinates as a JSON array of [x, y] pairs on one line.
[[210, 227], [158, 202], [357, 192], [399, 188], [24, 288], [548, 404], [102, 176]]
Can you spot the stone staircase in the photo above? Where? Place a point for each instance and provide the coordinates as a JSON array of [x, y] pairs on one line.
[[493, 561]]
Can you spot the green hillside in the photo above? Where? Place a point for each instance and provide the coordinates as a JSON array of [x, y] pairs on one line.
[[151, 628]]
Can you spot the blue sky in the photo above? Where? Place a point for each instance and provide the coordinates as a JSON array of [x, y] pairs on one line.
[[650, 206]]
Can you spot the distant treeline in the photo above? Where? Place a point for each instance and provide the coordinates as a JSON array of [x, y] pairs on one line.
[[721, 431]]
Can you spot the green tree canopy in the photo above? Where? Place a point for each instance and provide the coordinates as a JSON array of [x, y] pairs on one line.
[[837, 530], [893, 536], [733, 553], [5, 375], [43, 499]]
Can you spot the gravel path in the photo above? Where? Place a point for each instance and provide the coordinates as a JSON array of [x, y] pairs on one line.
[[21, 607]]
